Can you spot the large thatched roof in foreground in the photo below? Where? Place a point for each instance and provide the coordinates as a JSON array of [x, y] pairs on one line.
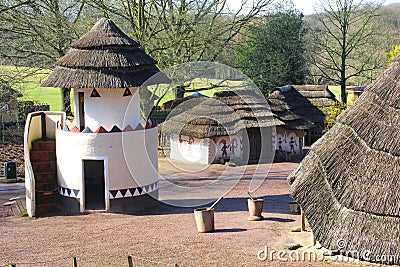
[[289, 99], [225, 114], [104, 57], [349, 183]]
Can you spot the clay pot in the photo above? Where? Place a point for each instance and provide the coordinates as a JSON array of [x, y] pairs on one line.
[[204, 220], [255, 209]]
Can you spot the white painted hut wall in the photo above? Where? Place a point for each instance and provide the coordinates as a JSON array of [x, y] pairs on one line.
[[284, 141], [205, 150], [53, 119], [72, 148], [108, 109], [233, 146], [33, 132], [195, 151]]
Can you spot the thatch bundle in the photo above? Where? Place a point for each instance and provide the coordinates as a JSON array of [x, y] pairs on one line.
[[225, 114], [348, 185], [104, 57]]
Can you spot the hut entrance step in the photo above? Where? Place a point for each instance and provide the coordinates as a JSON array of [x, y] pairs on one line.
[[44, 165]]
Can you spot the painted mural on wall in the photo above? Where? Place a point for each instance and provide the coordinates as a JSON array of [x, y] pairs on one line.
[[289, 142], [189, 148], [229, 147], [207, 150]]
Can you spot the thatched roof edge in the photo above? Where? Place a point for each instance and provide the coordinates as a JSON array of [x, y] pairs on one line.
[[348, 185], [78, 78]]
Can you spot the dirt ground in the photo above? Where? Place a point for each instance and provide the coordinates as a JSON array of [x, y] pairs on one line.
[[166, 235]]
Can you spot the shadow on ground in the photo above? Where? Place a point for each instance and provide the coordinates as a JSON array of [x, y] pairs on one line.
[[278, 204]]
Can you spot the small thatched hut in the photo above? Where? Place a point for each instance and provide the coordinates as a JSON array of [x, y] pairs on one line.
[[348, 185], [230, 126], [106, 160], [288, 98]]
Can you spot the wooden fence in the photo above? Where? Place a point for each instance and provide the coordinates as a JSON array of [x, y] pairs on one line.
[[131, 261]]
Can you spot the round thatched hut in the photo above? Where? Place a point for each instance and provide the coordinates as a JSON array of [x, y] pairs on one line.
[[233, 125], [106, 160], [305, 104], [348, 185]]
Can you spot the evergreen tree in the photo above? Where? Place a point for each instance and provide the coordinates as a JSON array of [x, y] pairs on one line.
[[274, 52]]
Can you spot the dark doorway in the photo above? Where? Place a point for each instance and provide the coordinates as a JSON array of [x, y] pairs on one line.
[[93, 171], [81, 107], [254, 135]]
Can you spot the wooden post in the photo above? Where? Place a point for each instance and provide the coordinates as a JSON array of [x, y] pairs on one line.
[[130, 261], [74, 263], [303, 221]]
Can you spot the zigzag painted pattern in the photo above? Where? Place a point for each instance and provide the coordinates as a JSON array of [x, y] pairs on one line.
[[67, 192], [120, 193], [133, 192]]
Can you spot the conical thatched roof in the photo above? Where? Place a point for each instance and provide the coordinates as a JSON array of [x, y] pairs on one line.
[[318, 95], [225, 114], [289, 99], [104, 57], [348, 185]]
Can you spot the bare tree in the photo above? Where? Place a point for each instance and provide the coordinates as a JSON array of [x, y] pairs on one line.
[[344, 39], [37, 33], [178, 31], [10, 5]]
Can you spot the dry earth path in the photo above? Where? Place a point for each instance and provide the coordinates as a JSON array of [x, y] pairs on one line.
[[165, 235]]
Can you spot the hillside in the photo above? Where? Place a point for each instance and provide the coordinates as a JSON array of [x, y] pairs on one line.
[[27, 82]]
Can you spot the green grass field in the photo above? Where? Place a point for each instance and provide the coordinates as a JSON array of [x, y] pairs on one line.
[[27, 81], [29, 86], [336, 91]]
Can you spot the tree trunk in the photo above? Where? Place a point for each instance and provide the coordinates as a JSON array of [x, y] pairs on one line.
[[180, 92], [343, 93], [343, 79], [66, 101]]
